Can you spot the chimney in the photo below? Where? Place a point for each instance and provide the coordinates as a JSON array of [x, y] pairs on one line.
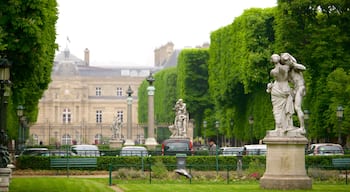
[[87, 56]]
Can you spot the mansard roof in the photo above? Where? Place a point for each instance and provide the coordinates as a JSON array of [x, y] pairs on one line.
[[73, 66]]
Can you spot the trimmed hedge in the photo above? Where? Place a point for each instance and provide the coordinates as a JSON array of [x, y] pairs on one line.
[[195, 162]]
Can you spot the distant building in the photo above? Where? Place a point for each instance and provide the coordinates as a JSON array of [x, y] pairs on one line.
[[82, 100], [166, 56]]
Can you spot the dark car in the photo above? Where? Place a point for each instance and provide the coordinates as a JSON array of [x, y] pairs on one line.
[[177, 146]]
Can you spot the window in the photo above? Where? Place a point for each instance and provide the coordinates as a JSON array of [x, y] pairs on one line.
[[119, 91], [98, 116], [66, 116], [66, 139], [120, 115], [98, 91]]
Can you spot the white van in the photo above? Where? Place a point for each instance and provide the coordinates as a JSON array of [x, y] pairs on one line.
[[259, 149], [86, 150]]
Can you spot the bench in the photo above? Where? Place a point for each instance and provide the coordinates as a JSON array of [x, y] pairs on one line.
[[342, 164], [73, 163]]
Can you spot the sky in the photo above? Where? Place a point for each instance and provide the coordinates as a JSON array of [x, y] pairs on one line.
[[126, 32]]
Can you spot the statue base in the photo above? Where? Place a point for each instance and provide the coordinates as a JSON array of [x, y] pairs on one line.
[[115, 143], [5, 176], [151, 143], [129, 142], [285, 161]]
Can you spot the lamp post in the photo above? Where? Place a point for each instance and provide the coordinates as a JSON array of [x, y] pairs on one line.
[[5, 82], [340, 112], [306, 118], [217, 125], [205, 129], [20, 110], [251, 122], [233, 136]]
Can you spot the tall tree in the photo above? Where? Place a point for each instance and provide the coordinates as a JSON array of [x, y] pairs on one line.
[[28, 30]]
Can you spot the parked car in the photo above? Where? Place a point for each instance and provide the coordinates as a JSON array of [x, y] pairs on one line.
[[42, 151], [326, 149], [134, 151], [231, 151], [259, 149], [85, 150], [175, 146]]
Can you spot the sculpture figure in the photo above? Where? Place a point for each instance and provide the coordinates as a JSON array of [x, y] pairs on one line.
[[181, 118], [285, 99], [116, 127]]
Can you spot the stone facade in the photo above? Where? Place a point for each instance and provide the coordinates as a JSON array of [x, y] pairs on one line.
[[81, 102]]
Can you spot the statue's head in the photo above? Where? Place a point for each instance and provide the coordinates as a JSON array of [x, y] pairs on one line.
[[275, 58]]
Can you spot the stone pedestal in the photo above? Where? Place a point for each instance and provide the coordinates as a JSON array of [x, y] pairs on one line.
[[285, 162], [5, 176], [151, 143], [129, 142], [115, 144]]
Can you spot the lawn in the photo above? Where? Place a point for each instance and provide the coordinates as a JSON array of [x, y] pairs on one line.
[[59, 184]]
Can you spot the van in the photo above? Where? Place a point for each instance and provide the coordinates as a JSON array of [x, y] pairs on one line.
[[259, 149], [325, 149], [175, 146], [85, 150]]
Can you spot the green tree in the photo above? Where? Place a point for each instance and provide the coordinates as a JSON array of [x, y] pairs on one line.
[[28, 31], [192, 83]]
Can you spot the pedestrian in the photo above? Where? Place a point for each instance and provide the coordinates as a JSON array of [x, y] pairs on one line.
[[212, 147]]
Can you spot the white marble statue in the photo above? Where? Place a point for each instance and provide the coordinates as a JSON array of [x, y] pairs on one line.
[[116, 127], [286, 99], [181, 120]]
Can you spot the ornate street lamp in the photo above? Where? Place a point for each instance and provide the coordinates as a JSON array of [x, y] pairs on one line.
[[205, 129], [4, 81], [251, 122], [340, 113], [217, 125], [20, 110]]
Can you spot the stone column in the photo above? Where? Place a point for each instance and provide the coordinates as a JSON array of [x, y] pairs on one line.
[[129, 140], [151, 141], [285, 163]]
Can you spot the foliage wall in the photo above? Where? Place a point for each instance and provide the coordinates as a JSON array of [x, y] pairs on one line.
[[192, 83], [164, 97], [318, 35], [238, 72], [27, 40]]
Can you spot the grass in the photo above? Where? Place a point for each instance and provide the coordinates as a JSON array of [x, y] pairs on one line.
[[219, 187], [59, 184]]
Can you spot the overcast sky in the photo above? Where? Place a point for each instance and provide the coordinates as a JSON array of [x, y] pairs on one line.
[[126, 32]]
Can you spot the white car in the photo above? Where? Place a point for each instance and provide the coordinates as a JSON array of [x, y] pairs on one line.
[[326, 149], [232, 151], [259, 149], [134, 151]]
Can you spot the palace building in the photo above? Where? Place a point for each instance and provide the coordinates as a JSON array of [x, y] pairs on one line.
[[82, 101]]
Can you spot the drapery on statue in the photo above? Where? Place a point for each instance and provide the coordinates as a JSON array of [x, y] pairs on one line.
[[116, 127], [181, 120], [285, 99]]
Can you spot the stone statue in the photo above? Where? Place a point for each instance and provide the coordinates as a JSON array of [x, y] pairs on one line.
[[285, 99], [181, 120], [116, 127]]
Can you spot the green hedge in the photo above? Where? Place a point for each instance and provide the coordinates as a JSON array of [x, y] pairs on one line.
[[195, 162]]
